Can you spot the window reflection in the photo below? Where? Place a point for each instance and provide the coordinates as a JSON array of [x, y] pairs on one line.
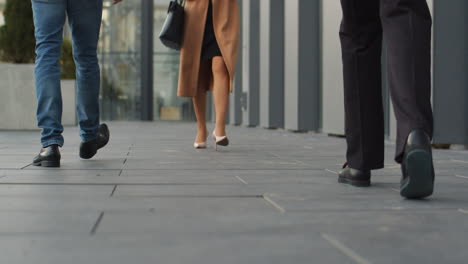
[[119, 51], [167, 106], [120, 58]]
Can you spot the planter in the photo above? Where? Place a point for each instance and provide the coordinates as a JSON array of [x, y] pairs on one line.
[[18, 98]]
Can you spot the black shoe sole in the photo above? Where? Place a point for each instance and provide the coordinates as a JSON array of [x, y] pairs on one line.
[[47, 164], [419, 181], [87, 154], [354, 183]]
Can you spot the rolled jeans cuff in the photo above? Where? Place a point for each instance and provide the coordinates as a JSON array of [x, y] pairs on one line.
[[52, 142]]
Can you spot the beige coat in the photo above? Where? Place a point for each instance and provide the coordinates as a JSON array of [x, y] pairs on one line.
[[226, 24]]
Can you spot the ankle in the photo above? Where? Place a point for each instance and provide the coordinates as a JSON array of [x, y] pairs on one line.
[[202, 134], [202, 129], [220, 132]]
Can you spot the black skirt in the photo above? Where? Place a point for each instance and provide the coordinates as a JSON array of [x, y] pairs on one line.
[[210, 46]]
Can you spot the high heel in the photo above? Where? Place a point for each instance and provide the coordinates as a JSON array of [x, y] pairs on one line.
[[221, 141], [200, 145]]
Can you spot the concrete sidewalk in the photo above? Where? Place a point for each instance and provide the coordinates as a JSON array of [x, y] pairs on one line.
[[271, 197]]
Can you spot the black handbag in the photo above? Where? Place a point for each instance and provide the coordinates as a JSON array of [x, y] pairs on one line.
[[172, 31]]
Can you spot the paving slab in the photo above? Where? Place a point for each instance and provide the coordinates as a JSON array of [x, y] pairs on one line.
[[270, 197], [59, 223]]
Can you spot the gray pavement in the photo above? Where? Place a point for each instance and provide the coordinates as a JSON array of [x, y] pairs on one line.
[[271, 197]]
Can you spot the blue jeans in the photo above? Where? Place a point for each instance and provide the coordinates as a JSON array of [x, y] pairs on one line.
[[84, 17]]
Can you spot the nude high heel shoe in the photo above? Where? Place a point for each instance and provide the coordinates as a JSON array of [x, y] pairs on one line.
[[200, 145], [221, 141]]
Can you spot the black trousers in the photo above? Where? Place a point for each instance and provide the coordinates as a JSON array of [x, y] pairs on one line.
[[405, 26]]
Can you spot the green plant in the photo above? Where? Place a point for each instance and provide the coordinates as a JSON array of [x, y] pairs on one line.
[[17, 41], [67, 64], [109, 90]]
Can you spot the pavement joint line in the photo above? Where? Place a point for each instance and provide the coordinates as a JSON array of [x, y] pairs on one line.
[[274, 204], [463, 211], [96, 225], [372, 210], [459, 161], [179, 169], [461, 176], [334, 172], [242, 180], [63, 169], [281, 158], [26, 166], [112, 184], [191, 196], [460, 151], [113, 190], [345, 250]]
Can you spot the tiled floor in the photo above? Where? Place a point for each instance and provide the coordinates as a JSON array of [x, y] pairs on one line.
[[271, 197]]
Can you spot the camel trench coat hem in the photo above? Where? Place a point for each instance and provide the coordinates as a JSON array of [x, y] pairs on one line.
[[226, 25]]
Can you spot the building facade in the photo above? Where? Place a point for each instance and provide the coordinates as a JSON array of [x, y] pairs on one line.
[[289, 72]]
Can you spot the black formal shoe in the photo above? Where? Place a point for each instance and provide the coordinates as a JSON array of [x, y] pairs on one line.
[[48, 157], [354, 177], [90, 148], [417, 167]]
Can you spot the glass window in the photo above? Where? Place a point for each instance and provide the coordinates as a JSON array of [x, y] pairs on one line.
[[167, 106], [120, 58], [119, 51]]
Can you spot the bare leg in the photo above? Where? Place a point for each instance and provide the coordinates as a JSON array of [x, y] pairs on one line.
[[220, 93], [199, 104]]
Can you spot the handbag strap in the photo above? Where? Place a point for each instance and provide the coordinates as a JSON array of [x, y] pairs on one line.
[[181, 2]]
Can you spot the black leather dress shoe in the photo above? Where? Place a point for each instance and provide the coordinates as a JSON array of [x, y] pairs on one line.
[[48, 157], [417, 167], [90, 148], [354, 177]]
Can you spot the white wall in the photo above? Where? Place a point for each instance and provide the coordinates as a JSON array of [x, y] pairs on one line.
[[332, 76]]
